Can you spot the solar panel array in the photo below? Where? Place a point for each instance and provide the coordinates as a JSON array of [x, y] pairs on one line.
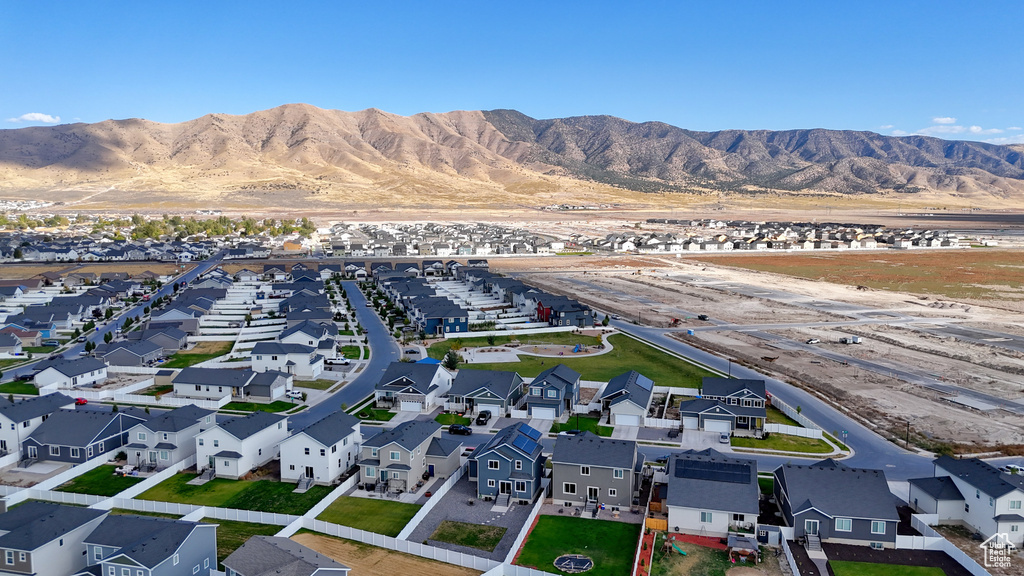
[[525, 444], [533, 434], [731, 472]]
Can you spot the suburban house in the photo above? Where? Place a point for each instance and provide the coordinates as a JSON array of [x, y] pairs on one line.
[[553, 392], [223, 384], [588, 470], [276, 556], [44, 538], [394, 460], [509, 465], [412, 386], [169, 437], [147, 546], [129, 353], [54, 374], [268, 386], [627, 398], [297, 359], [19, 419], [711, 494], [495, 390], [972, 493], [830, 502], [315, 334], [77, 435], [237, 446], [168, 338], [730, 405], [322, 451], [10, 344]]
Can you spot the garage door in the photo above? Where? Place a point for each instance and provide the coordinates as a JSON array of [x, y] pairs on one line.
[[494, 408], [717, 426], [543, 413], [411, 406], [627, 420], [690, 423]]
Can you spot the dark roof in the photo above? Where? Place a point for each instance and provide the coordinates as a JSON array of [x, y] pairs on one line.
[[517, 438], [500, 382], [408, 435], [712, 481], [632, 386], [981, 475], [35, 407], [714, 386], [281, 348], [330, 429], [227, 454], [707, 406], [443, 447], [941, 488], [214, 377], [590, 449], [273, 555], [145, 539], [560, 375], [75, 367], [33, 524], [314, 329], [138, 347], [178, 419], [77, 427], [242, 427], [268, 378], [838, 491], [409, 374]]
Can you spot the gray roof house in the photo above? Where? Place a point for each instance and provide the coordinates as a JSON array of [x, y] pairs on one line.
[[831, 502], [627, 398], [235, 447], [44, 538], [588, 470], [276, 556], [509, 465], [412, 386], [130, 353], [322, 451], [394, 460], [61, 373], [148, 546], [77, 435], [169, 338], [211, 383], [19, 419], [496, 390], [167, 438], [716, 416], [553, 392], [711, 494]]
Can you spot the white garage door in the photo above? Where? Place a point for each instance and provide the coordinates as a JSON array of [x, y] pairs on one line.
[[494, 408], [627, 420], [411, 406], [717, 426], [543, 413], [690, 423]]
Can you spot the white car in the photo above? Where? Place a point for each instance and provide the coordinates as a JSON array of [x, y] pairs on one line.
[[814, 341], [294, 394]]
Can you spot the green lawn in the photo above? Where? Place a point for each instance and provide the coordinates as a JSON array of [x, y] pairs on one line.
[[322, 384], [439, 349], [352, 352], [776, 416], [11, 361], [157, 390], [201, 353], [585, 423], [276, 406], [101, 482], [262, 495], [611, 545], [472, 535], [231, 535], [844, 568], [371, 514], [19, 388], [767, 485], [39, 349], [378, 414], [449, 419], [784, 443], [126, 512], [627, 354]]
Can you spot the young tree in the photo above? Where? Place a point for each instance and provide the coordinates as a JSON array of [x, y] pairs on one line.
[[451, 360], [491, 340], [108, 337], [109, 313], [606, 320], [114, 409]]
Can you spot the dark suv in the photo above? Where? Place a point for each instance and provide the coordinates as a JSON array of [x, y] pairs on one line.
[[483, 417], [460, 429]]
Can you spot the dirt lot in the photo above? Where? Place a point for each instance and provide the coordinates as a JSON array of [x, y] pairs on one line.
[[367, 560], [11, 271]]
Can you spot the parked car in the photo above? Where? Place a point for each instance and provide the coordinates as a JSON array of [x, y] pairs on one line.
[[723, 438], [569, 432], [80, 339], [460, 429], [294, 394], [814, 341], [81, 401], [703, 317], [24, 377], [483, 417], [51, 343], [663, 459]]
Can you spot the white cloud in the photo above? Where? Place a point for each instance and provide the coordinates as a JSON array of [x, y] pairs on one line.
[[944, 120], [1015, 139], [898, 133], [36, 117], [1015, 128], [980, 130], [941, 129], [885, 126]]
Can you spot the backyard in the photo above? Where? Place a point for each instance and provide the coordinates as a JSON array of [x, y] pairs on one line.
[[370, 514], [473, 535], [611, 545], [367, 560], [583, 423], [231, 535], [19, 388], [627, 354], [202, 352], [101, 482], [845, 568], [262, 495]]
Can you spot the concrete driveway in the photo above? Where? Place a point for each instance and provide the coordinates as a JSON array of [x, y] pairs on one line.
[[700, 440]]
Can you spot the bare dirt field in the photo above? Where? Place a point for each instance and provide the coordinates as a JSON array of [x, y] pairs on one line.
[[367, 560], [132, 268]]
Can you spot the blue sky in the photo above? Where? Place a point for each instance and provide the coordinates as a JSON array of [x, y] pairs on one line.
[[948, 69]]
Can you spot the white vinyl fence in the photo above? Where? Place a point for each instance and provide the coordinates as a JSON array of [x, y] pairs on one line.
[[661, 422], [793, 430], [525, 530], [431, 502], [932, 540], [792, 413]]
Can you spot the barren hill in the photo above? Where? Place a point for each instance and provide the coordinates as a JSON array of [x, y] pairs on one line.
[[501, 155]]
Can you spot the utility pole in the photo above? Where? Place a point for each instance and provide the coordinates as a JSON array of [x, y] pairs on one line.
[[908, 435]]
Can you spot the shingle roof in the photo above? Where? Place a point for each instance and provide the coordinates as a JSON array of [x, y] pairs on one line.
[[214, 377], [712, 481], [75, 367], [408, 435], [137, 347], [981, 475], [244, 426], [314, 329], [33, 524], [330, 429], [227, 454], [838, 491], [632, 386], [443, 447], [272, 555], [178, 419], [707, 406], [517, 438], [411, 374], [281, 348], [941, 488], [145, 539], [35, 407], [590, 449], [76, 427], [559, 375], [713, 386], [500, 382]]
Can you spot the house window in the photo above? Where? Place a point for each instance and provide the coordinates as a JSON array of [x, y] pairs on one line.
[[552, 393], [991, 501], [291, 466], [200, 441], [307, 451], [196, 569], [520, 486], [585, 470], [492, 464], [705, 517], [323, 452], [206, 563], [163, 455], [142, 436], [10, 557], [967, 507], [618, 473], [569, 487], [1014, 528], [612, 492], [216, 443], [396, 455], [977, 494], [877, 546], [88, 451], [877, 527], [111, 571], [54, 450], [396, 475], [490, 483], [373, 452], [198, 387], [519, 464], [103, 447], [126, 572], [226, 464], [844, 525], [174, 561], [371, 472], [1014, 504], [97, 553], [536, 391]]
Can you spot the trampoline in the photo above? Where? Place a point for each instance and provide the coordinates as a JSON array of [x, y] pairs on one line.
[[573, 563]]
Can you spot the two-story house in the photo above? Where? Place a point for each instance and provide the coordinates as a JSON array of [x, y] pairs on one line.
[[627, 398], [412, 386], [711, 494], [54, 374], [588, 470], [394, 460], [44, 538], [317, 335], [130, 545], [322, 451], [509, 466], [553, 392], [78, 435], [19, 419], [168, 438], [495, 390], [297, 359], [237, 446], [730, 405]]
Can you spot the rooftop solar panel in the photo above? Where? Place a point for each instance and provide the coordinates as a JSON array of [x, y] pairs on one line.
[[710, 470]]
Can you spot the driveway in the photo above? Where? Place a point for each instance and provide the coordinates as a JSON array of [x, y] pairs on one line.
[[699, 440]]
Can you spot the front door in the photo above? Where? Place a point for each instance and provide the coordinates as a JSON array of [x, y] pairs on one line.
[[592, 493], [811, 527], [152, 456], [3, 445], [504, 487], [309, 471], [212, 461], [32, 452]]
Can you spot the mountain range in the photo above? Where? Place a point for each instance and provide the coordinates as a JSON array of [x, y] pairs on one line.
[[357, 156]]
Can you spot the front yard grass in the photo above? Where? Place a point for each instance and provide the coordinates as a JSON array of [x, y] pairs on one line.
[[202, 352], [370, 514], [231, 535], [583, 423], [611, 545], [451, 418], [352, 352], [322, 384], [627, 354], [784, 443], [473, 535], [275, 406], [846, 568], [378, 414], [4, 363], [100, 481], [19, 388], [261, 495]]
